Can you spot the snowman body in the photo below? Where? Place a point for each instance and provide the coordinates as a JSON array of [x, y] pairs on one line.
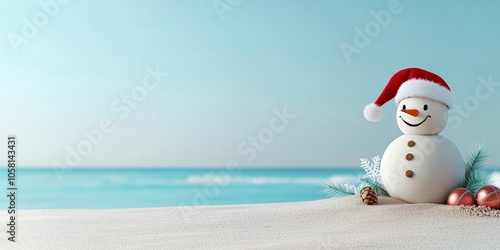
[[422, 168]]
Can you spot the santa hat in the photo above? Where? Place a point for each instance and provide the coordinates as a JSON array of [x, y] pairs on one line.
[[410, 82]]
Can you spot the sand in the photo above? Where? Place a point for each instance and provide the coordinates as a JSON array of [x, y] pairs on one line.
[[322, 224]]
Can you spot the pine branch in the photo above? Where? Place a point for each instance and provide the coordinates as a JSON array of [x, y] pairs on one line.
[[335, 190], [377, 186], [475, 177], [475, 160]]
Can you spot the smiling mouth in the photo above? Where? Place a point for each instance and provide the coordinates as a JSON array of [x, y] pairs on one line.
[[414, 125]]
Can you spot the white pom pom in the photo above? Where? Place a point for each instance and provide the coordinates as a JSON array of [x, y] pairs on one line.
[[373, 112]]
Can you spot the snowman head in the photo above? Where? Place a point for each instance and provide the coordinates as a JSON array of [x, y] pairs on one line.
[[421, 116], [423, 100]]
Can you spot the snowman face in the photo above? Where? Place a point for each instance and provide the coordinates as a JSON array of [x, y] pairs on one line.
[[420, 116]]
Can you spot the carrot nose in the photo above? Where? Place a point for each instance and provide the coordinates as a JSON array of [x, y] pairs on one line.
[[412, 112]]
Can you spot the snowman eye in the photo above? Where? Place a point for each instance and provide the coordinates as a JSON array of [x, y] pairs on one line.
[[425, 107], [404, 107]]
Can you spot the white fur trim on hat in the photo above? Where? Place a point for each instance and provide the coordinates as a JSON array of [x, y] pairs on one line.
[[426, 89], [372, 112]]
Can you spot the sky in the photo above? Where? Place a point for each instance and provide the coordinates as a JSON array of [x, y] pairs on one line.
[[255, 83]]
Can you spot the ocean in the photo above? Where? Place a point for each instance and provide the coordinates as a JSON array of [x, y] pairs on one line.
[[99, 188]]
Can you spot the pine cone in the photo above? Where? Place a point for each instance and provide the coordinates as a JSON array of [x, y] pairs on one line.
[[369, 196]]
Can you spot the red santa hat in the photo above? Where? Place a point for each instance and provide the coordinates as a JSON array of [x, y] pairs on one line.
[[410, 82]]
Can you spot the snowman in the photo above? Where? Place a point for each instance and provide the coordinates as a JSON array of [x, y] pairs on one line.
[[420, 166]]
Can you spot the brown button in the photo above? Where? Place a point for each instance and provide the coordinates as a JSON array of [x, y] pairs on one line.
[[409, 173], [411, 144], [409, 157]]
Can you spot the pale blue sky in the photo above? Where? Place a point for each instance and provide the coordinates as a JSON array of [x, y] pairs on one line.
[[227, 76]]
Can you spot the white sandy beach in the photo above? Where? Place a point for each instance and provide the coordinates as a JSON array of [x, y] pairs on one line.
[[323, 224]]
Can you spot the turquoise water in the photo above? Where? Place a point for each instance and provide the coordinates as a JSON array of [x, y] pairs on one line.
[[140, 188]]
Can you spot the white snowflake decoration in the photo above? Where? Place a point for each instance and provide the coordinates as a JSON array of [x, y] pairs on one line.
[[372, 168]]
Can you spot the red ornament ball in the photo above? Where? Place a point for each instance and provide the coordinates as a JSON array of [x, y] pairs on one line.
[[461, 196], [489, 196]]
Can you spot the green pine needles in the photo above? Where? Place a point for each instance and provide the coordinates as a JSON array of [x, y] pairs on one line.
[[475, 176], [376, 185], [343, 189]]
